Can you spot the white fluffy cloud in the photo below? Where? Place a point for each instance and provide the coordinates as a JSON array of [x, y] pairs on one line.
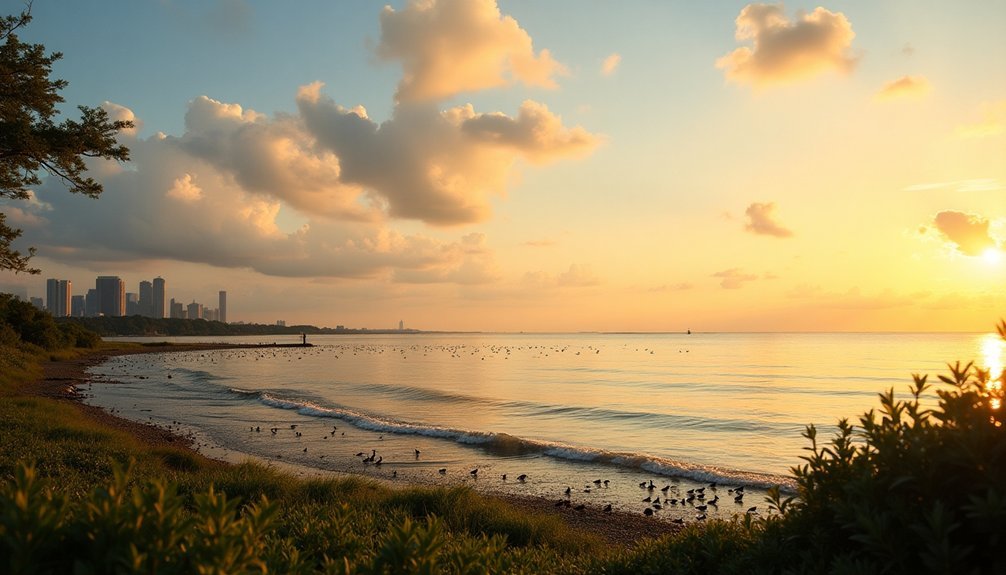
[[314, 193], [784, 50], [438, 167], [447, 47]]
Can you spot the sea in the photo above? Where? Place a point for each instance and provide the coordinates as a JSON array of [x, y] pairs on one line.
[[703, 423]]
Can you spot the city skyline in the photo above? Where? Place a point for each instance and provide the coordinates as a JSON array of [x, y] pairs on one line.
[[538, 166]]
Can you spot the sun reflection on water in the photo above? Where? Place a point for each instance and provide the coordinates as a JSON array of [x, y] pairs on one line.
[[992, 350]]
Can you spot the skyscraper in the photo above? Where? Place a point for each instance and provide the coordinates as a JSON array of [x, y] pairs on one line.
[[194, 311], [111, 296], [222, 307], [146, 307], [78, 306], [91, 303], [57, 297], [157, 298], [132, 304]]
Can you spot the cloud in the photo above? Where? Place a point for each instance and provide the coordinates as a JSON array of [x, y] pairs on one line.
[[785, 50], [761, 220], [905, 87], [610, 64], [993, 122], [174, 204], [451, 46], [438, 167], [968, 233], [734, 278]]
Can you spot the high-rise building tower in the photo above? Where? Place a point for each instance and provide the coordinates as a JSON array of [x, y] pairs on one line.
[[91, 303], [111, 296], [57, 297], [78, 306], [132, 304], [222, 307], [194, 311], [146, 306], [157, 298]]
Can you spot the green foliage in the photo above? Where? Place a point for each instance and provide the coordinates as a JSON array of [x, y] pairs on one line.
[[21, 322], [31, 140]]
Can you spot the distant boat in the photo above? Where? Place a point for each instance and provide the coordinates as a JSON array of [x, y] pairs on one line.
[[689, 332]]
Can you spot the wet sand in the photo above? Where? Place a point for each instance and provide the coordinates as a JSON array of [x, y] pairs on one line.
[[60, 380]]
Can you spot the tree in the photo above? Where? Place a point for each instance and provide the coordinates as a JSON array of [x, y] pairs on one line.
[[31, 140]]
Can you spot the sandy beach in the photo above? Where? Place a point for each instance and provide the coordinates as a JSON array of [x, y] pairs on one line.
[[60, 380]]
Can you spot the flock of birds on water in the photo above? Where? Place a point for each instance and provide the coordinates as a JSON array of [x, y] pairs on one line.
[[699, 500]]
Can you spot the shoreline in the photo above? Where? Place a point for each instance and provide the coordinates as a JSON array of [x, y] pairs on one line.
[[60, 381]]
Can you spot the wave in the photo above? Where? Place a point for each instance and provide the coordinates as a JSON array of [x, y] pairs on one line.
[[503, 444]]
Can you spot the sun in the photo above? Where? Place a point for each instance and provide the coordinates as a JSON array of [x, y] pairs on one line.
[[992, 256]]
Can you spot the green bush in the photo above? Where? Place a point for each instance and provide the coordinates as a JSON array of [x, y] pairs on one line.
[[21, 322]]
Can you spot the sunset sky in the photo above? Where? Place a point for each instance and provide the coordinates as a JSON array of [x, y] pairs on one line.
[[541, 166]]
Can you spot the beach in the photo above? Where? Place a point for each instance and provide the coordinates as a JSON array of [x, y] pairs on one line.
[[62, 379]]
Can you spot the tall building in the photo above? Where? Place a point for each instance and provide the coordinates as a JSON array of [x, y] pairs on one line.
[[78, 306], [401, 325], [222, 307], [157, 298], [177, 310], [57, 297], [194, 311], [111, 296], [132, 304], [91, 303], [146, 307]]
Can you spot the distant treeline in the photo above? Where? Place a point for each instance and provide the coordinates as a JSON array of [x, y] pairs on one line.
[[136, 325]]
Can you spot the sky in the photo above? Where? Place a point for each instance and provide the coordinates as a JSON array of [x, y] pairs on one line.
[[540, 166]]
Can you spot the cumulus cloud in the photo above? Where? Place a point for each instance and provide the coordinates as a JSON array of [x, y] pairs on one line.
[[451, 46], [968, 233], [905, 87], [312, 193], [610, 64], [438, 167], [175, 204], [734, 278], [784, 50], [761, 220], [993, 122]]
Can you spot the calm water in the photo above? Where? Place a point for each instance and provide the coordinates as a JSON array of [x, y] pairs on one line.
[[680, 410]]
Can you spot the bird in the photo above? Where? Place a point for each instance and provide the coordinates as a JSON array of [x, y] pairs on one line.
[[605, 482], [753, 509], [568, 490], [442, 471], [360, 454], [700, 517], [522, 477], [679, 521], [642, 485], [474, 472], [647, 499], [597, 482], [739, 498], [504, 477], [607, 508], [417, 454], [647, 512], [665, 488], [714, 501], [702, 507]]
